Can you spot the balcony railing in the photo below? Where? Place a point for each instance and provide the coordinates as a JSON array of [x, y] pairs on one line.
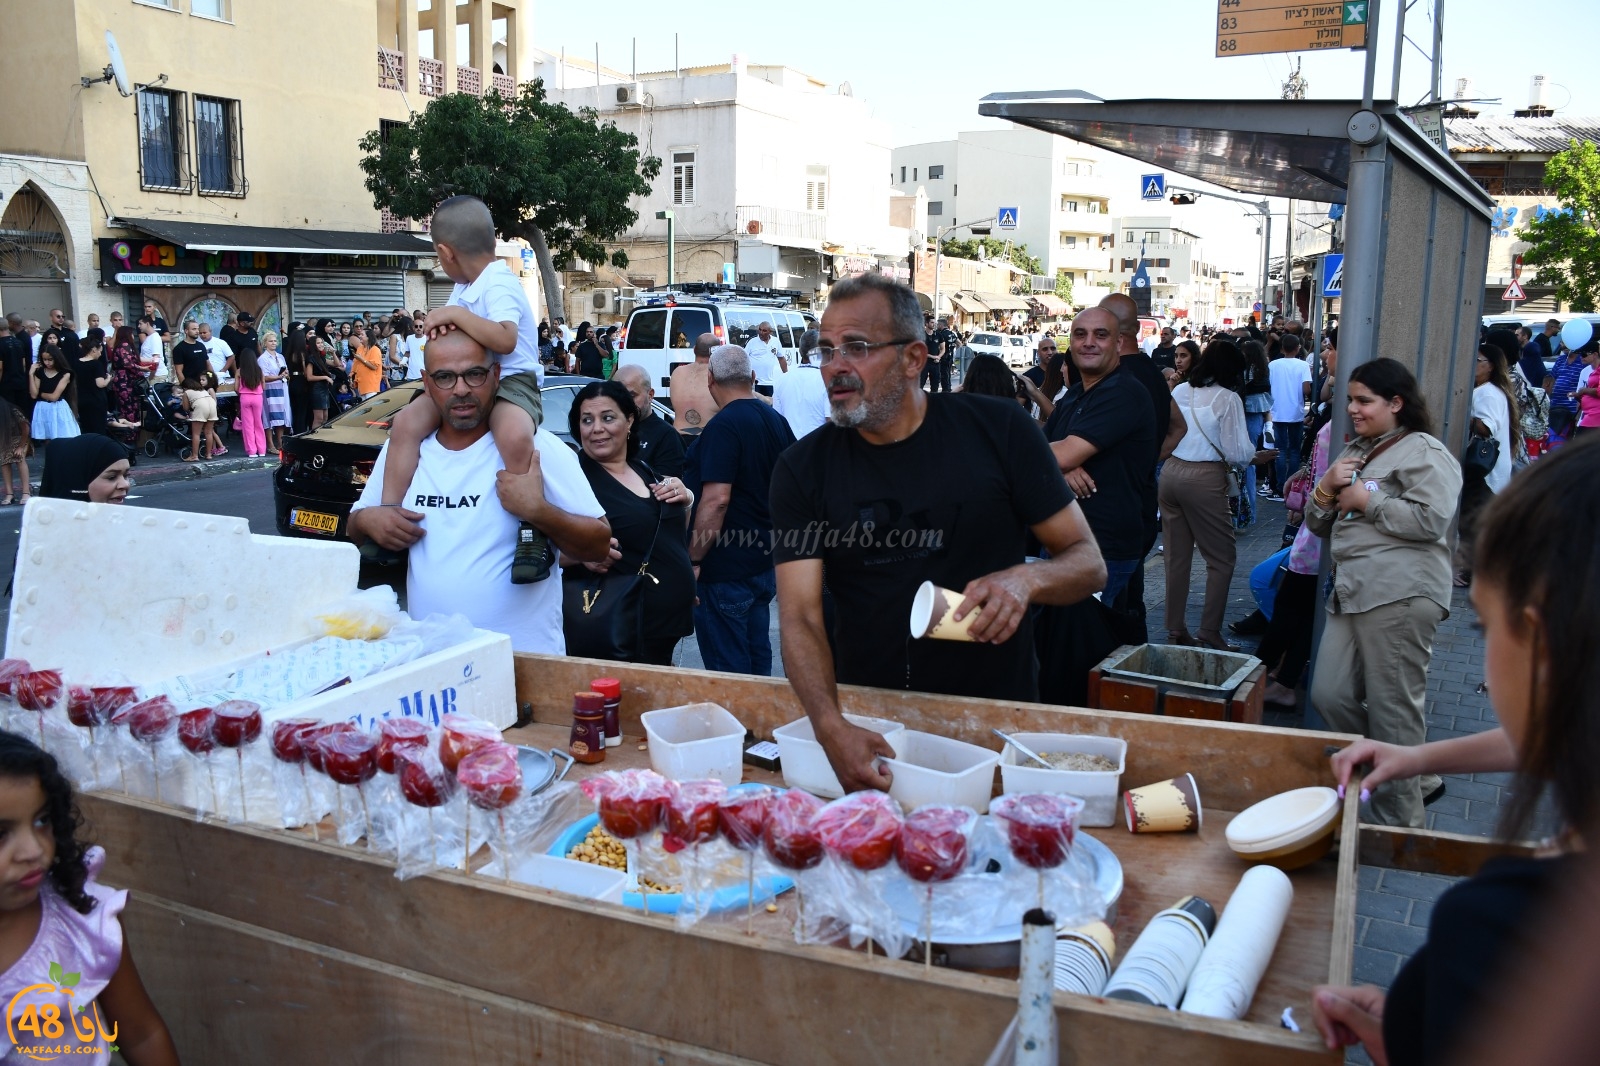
[[391, 69], [504, 84], [469, 80], [781, 223], [430, 76]]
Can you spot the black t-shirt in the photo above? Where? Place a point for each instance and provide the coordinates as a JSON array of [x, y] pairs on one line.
[[191, 359], [739, 448], [948, 338], [591, 359], [661, 447], [1164, 356], [1112, 417], [15, 354], [669, 600], [951, 503], [240, 339], [1477, 930], [932, 341]]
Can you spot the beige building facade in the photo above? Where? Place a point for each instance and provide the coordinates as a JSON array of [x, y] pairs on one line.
[[227, 178]]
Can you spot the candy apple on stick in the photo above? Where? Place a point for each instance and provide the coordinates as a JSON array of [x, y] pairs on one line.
[[195, 730], [425, 783], [933, 847], [1040, 828], [289, 737], [148, 723], [741, 818], [236, 723], [493, 781], [349, 758]]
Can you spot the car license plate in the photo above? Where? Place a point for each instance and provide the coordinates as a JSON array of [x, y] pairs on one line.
[[315, 521]]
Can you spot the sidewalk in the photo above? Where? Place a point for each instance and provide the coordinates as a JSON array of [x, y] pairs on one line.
[[1394, 906], [166, 467]]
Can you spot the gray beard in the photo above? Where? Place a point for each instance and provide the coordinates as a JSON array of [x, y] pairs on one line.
[[871, 413]]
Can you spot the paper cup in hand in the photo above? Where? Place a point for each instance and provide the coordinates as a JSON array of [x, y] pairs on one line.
[[1171, 806], [931, 613]]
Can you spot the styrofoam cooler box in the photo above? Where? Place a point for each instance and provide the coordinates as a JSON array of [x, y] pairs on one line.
[[152, 595]]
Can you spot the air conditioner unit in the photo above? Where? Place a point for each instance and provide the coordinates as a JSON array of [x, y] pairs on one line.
[[630, 95], [604, 301]]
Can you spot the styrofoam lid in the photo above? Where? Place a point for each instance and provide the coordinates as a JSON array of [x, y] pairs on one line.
[[105, 591], [1283, 818]]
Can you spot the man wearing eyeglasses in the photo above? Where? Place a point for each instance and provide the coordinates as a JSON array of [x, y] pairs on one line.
[[463, 506], [903, 487]]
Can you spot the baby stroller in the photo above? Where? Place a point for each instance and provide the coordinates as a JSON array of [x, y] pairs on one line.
[[164, 420]]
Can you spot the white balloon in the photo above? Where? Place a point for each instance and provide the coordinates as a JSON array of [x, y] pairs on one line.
[[1576, 334]]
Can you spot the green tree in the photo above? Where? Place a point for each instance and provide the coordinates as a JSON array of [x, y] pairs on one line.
[[1064, 286], [992, 249], [1566, 246], [559, 179]]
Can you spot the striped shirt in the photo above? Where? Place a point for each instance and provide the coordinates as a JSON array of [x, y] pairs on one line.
[[1566, 373]]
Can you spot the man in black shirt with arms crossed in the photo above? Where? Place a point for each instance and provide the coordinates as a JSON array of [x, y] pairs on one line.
[[900, 488]]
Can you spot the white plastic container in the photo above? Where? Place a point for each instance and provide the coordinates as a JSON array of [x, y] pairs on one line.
[[582, 879], [1097, 788], [934, 769], [695, 742], [805, 765]]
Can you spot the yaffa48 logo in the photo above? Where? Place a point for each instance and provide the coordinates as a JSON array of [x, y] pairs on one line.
[[40, 1032]]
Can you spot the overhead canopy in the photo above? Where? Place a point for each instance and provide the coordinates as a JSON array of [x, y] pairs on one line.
[[1289, 148], [207, 237], [969, 303], [1003, 301], [1050, 303]]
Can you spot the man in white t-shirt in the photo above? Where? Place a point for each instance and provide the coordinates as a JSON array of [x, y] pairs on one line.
[[1291, 388], [766, 356], [800, 396], [152, 355], [217, 353], [461, 511]]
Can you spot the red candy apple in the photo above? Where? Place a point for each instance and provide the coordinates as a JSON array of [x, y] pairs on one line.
[[424, 781], [348, 757], [148, 721], [395, 733], [861, 828], [692, 813], [461, 737], [195, 730], [89, 707], [632, 802], [288, 738], [933, 843], [742, 815], [38, 690], [491, 777], [10, 671], [237, 722], [1040, 826], [310, 741], [790, 834]]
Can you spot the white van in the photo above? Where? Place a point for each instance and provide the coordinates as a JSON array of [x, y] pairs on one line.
[[663, 326]]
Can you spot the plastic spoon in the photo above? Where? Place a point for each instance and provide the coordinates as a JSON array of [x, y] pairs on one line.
[[1023, 748]]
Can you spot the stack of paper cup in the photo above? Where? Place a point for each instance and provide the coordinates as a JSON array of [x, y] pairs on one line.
[[1224, 982], [1083, 959], [1156, 969]]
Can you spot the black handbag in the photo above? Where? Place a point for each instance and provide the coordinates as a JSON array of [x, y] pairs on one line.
[[602, 615], [1481, 457]]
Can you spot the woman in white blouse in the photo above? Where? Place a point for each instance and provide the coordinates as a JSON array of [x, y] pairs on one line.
[[1195, 489]]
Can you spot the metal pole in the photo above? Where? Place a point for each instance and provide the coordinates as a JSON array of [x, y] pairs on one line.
[[1266, 257], [1036, 1012], [1372, 55], [597, 67], [938, 250], [671, 219], [1399, 44], [1438, 49], [677, 67], [1287, 303]]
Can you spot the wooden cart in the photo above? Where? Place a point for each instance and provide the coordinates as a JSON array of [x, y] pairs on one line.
[[263, 946]]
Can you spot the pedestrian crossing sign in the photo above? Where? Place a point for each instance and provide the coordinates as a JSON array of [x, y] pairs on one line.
[[1153, 187], [1006, 218]]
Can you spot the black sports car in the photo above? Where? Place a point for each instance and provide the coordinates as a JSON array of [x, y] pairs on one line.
[[322, 472]]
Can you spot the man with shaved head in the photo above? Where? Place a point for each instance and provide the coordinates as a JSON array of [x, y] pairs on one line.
[[660, 447], [489, 305], [692, 405]]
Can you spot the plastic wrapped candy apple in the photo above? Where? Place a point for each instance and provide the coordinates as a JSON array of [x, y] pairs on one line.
[[38, 690], [93, 706], [310, 741], [631, 802], [348, 756], [424, 781], [491, 777], [934, 842], [237, 722], [461, 736], [692, 813], [149, 721], [195, 730], [1040, 827], [742, 816], [10, 670], [396, 733], [861, 828], [790, 835], [288, 738]]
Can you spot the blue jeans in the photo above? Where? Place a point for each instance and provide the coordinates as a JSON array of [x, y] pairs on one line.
[[1254, 423], [731, 624], [1117, 573], [1289, 436]]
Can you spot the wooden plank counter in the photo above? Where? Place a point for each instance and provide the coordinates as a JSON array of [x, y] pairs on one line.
[[262, 945]]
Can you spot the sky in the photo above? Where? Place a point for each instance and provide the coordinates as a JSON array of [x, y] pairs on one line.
[[922, 67]]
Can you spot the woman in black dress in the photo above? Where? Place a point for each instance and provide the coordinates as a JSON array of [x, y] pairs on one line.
[[294, 357], [93, 375], [648, 513], [587, 351]]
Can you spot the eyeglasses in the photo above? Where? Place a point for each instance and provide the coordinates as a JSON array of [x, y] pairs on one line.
[[858, 349], [446, 379]]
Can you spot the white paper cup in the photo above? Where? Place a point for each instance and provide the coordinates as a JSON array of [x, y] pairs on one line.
[[931, 612]]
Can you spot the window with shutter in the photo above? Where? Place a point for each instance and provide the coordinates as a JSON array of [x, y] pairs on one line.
[[816, 188], [683, 164]]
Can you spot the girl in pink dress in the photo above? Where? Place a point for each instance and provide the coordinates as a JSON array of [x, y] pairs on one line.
[[68, 982], [252, 397]]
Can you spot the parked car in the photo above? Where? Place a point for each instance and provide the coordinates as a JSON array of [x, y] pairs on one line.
[[997, 344], [1019, 351], [663, 326], [321, 474]]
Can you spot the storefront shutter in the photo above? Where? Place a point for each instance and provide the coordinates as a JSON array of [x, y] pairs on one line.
[[344, 294]]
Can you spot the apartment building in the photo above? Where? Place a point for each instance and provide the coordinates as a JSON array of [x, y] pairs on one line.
[[1183, 285]]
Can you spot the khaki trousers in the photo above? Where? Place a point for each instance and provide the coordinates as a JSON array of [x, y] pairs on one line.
[[1371, 678], [1194, 514]]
